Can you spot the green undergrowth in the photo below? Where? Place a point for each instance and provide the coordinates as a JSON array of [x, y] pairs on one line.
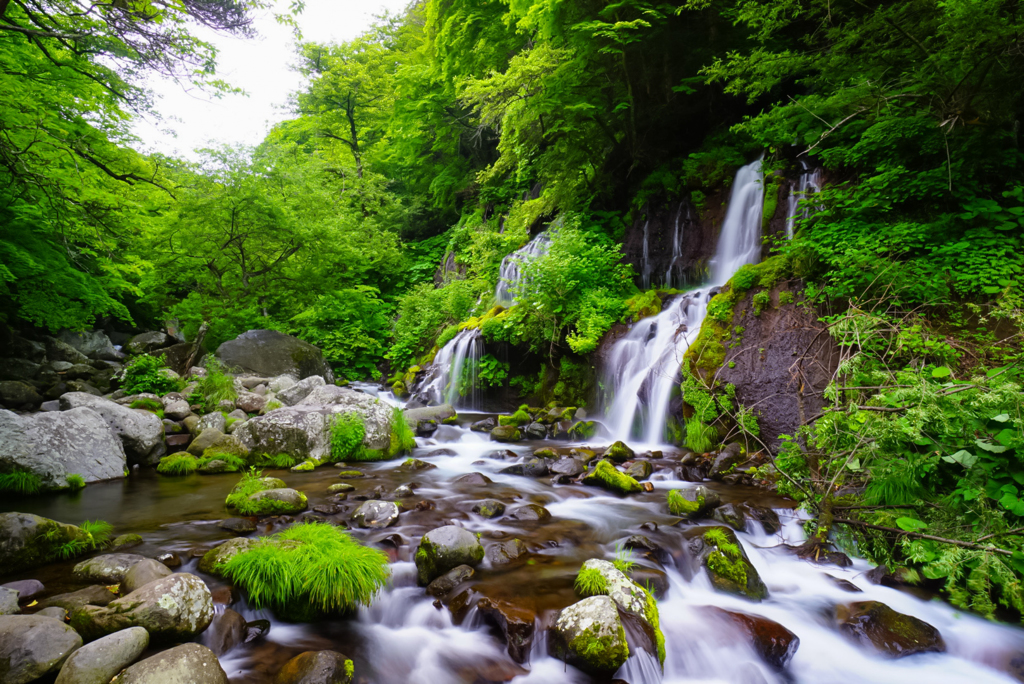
[[61, 547], [21, 482], [75, 481], [216, 386], [519, 418], [152, 405], [347, 435], [144, 375], [178, 464], [310, 569]]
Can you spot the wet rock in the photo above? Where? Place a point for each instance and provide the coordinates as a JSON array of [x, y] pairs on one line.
[[619, 452], [640, 470], [403, 491], [238, 525], [652, 579], [874, 624], [529, 513], [720, 553], [507, 551], [141, 432], [54, 612], [516, 623], [506, 433], [206, 438], [99, 661], [89, 596], [445, 548], [227, 630], [605, 475], [175, 608], [478, 479], [32, 646], [845, 585], [110, 568], [640, 543], [142, 573], [8, 601], [440, 452], [536, 431], [123, 542], [485, 425], [189, 663], [438, 414], [441, 586], [169, 559], [533, 467], [726, 460], [733, 515], [585, 456], [55, 445], [27, 540], [317, 667], [290, 501], [501, 454], [375, 515], [340, 488], [774, 643], [328, 509], [627, 595], [489, 508], [256, 629], [768, 518], [222, 553], [589, 635], [693, 503], [300, 390], [426, 428], [414, 465], [352, 474], [27, 589], [568, 466], [268, 353]]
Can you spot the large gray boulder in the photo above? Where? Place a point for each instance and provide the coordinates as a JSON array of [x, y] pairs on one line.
[[149, 341], [94, 343], [185, 664], [590, 636], [32, 646], [269, 353], [110, 568], [98, 662], [55, 445], [141, 432], [445, 548], [175, 608], [300, 390]]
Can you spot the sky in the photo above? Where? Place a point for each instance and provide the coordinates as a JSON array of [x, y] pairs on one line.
[[262, 67]]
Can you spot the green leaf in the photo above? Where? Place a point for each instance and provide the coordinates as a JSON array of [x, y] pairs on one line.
[[911, 524], [940, 372], [963, 457], [990, 447], [1001, 418]]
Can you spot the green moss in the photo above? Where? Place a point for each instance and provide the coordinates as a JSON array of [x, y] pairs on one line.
[[178, 464], [517, 419], [601, 654], [347, 435], [304, 467], [450, 420], [584, 429], [151, 405], [233, 462], [349, 473], [654, 619], [773, 187], [642, 305], [590, 582], [350, 670], [726, 560], [761, 301], [272, 405], [606, 475], [251, 483], [677, 505]]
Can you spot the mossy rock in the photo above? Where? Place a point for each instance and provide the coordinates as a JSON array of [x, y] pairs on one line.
[[606, 475], [693, 503], [517, 419], [727, 565], [489, 508], [125, 541], [278, 501], [619, 452], [590, 635], [304, 467], [584, 429], [603, 578], [351, 474], [27, 540], [506, 433], [445, 548], [212, 560]]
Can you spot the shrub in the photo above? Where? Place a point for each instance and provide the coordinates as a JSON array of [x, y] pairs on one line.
[[21, 482], [75, 481], [143, 375], [326, 571], [347, 435], [216, 386], [402, 438], [178, 464]]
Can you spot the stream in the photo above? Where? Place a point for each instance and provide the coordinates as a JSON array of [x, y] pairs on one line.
[[404, 637]]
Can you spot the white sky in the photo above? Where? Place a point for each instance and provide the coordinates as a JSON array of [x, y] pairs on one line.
[[262, 67]]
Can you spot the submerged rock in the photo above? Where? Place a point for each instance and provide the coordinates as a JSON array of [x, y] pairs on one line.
[[189, 663], [727, 460], [376, 515], [529, 513], [317, 667], [568, 466], [874, 624], [720, 553], [506, 551], [445, 548], [28, 540], [733, 515], [589, 635], [478, 479], [517, 625], [32, 646], [227, 630], [99, 661]]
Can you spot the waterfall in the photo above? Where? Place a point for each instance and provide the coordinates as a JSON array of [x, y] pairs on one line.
[[808, 184], [677, 249], [642, 366], [645, 259], [510, 274], [450, 380]]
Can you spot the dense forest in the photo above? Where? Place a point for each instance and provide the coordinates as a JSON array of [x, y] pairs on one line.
[[374, 221]]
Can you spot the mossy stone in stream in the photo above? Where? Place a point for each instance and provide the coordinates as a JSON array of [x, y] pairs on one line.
[[589, 635], [445, 548], [584, 429], [606, 475], [506, 433], [692, 503], [619, 452], [600, 577], [350, 474], [317, 667], [28, 540], [340, 488], [489, 508], [304, 467], [727, 565], [517, 419]]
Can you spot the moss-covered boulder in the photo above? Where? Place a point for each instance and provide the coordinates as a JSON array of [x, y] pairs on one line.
[[212, 560], [605, 475], [517, 419], [489, 508], [619, 452], [876, 625], [506, 433], [600, 578], [27, 540], [692, 503], [445, 548], [277, 501], [589, 635], [721, 554], [317, 667], [269, 353]]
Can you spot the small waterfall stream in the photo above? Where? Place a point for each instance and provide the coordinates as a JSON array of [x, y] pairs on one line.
[[808, 184], [445, 382], [510, 273], [674, 275], [641, 367]]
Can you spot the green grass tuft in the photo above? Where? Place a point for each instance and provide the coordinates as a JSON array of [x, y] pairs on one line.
[[235, 462], [347, 435], [403, 440], [21, 482], [178, 464], [151, 405], [216, 386], [75, 481], [99, 530], [280, 461], [590, 582], [251, 483], [311, 567]]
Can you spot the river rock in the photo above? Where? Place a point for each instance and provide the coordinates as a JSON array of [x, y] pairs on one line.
[[222, 553], [8, 601], [227, 630], [19, 395], [874, 624], [444, 548], [20, 369], [212, 421], [619, 452], [639, 470], [149, 341], [27, 589], [536, 431], [291, 500], [32, 646], [300, 390], [438, 414], [141, 432], [317, 667], [774, 643], [529, 513], [568, 466], [185, 664], [733, 515], [175, 608], [589, 635], [238, 525], [92, 343], [506, 433], [605, 475], [375, 515], [55, 445], [28, 540], [123, 542], [720, 553], [693, 502], [532, 467], [250, 402], [477, 479], [142, 573], [489, 508], [176, 409], [268, 353], [95, 595], [726, 460], [99, 661], [110, 568], [506, 551], [485, 425], [55, 612], [449, 580], [516, 623]]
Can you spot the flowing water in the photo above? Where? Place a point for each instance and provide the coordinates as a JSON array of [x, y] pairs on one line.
[[674, 276], [641, 368], [450, 380], [808, 184], [404, 638], [510, 274]]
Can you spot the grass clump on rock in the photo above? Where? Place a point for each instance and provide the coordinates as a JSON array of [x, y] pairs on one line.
[[75, 481], [590, 582], [21, 482], [251, 483], [519, 418], [402, 438], [178, 464], [347, 435], [309, 569]]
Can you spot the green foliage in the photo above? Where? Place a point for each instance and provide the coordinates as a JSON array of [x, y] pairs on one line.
[[403, 440], [590, 582], [492, 372], [623, 561], [347, 435], [309, 568], [178, 464], [351, 327], [75, 481], [576, 382], [98, 530], [424, 312], [280, 461], [250, 483], [143, 375], [151, 405], [701, 435], [216, 386], [21, 482]]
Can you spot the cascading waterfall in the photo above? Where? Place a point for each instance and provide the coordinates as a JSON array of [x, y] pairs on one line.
[[676, 279], [808, 184], [510, 273], [642, 366], [445, 381]]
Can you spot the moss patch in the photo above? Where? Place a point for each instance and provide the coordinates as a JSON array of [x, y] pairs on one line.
[[605, 475]]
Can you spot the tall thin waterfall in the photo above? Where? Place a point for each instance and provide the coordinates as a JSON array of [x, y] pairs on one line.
[[446, 380], [808, 184], [645, 258], [510, 274], [643, 365], [674, 274]]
